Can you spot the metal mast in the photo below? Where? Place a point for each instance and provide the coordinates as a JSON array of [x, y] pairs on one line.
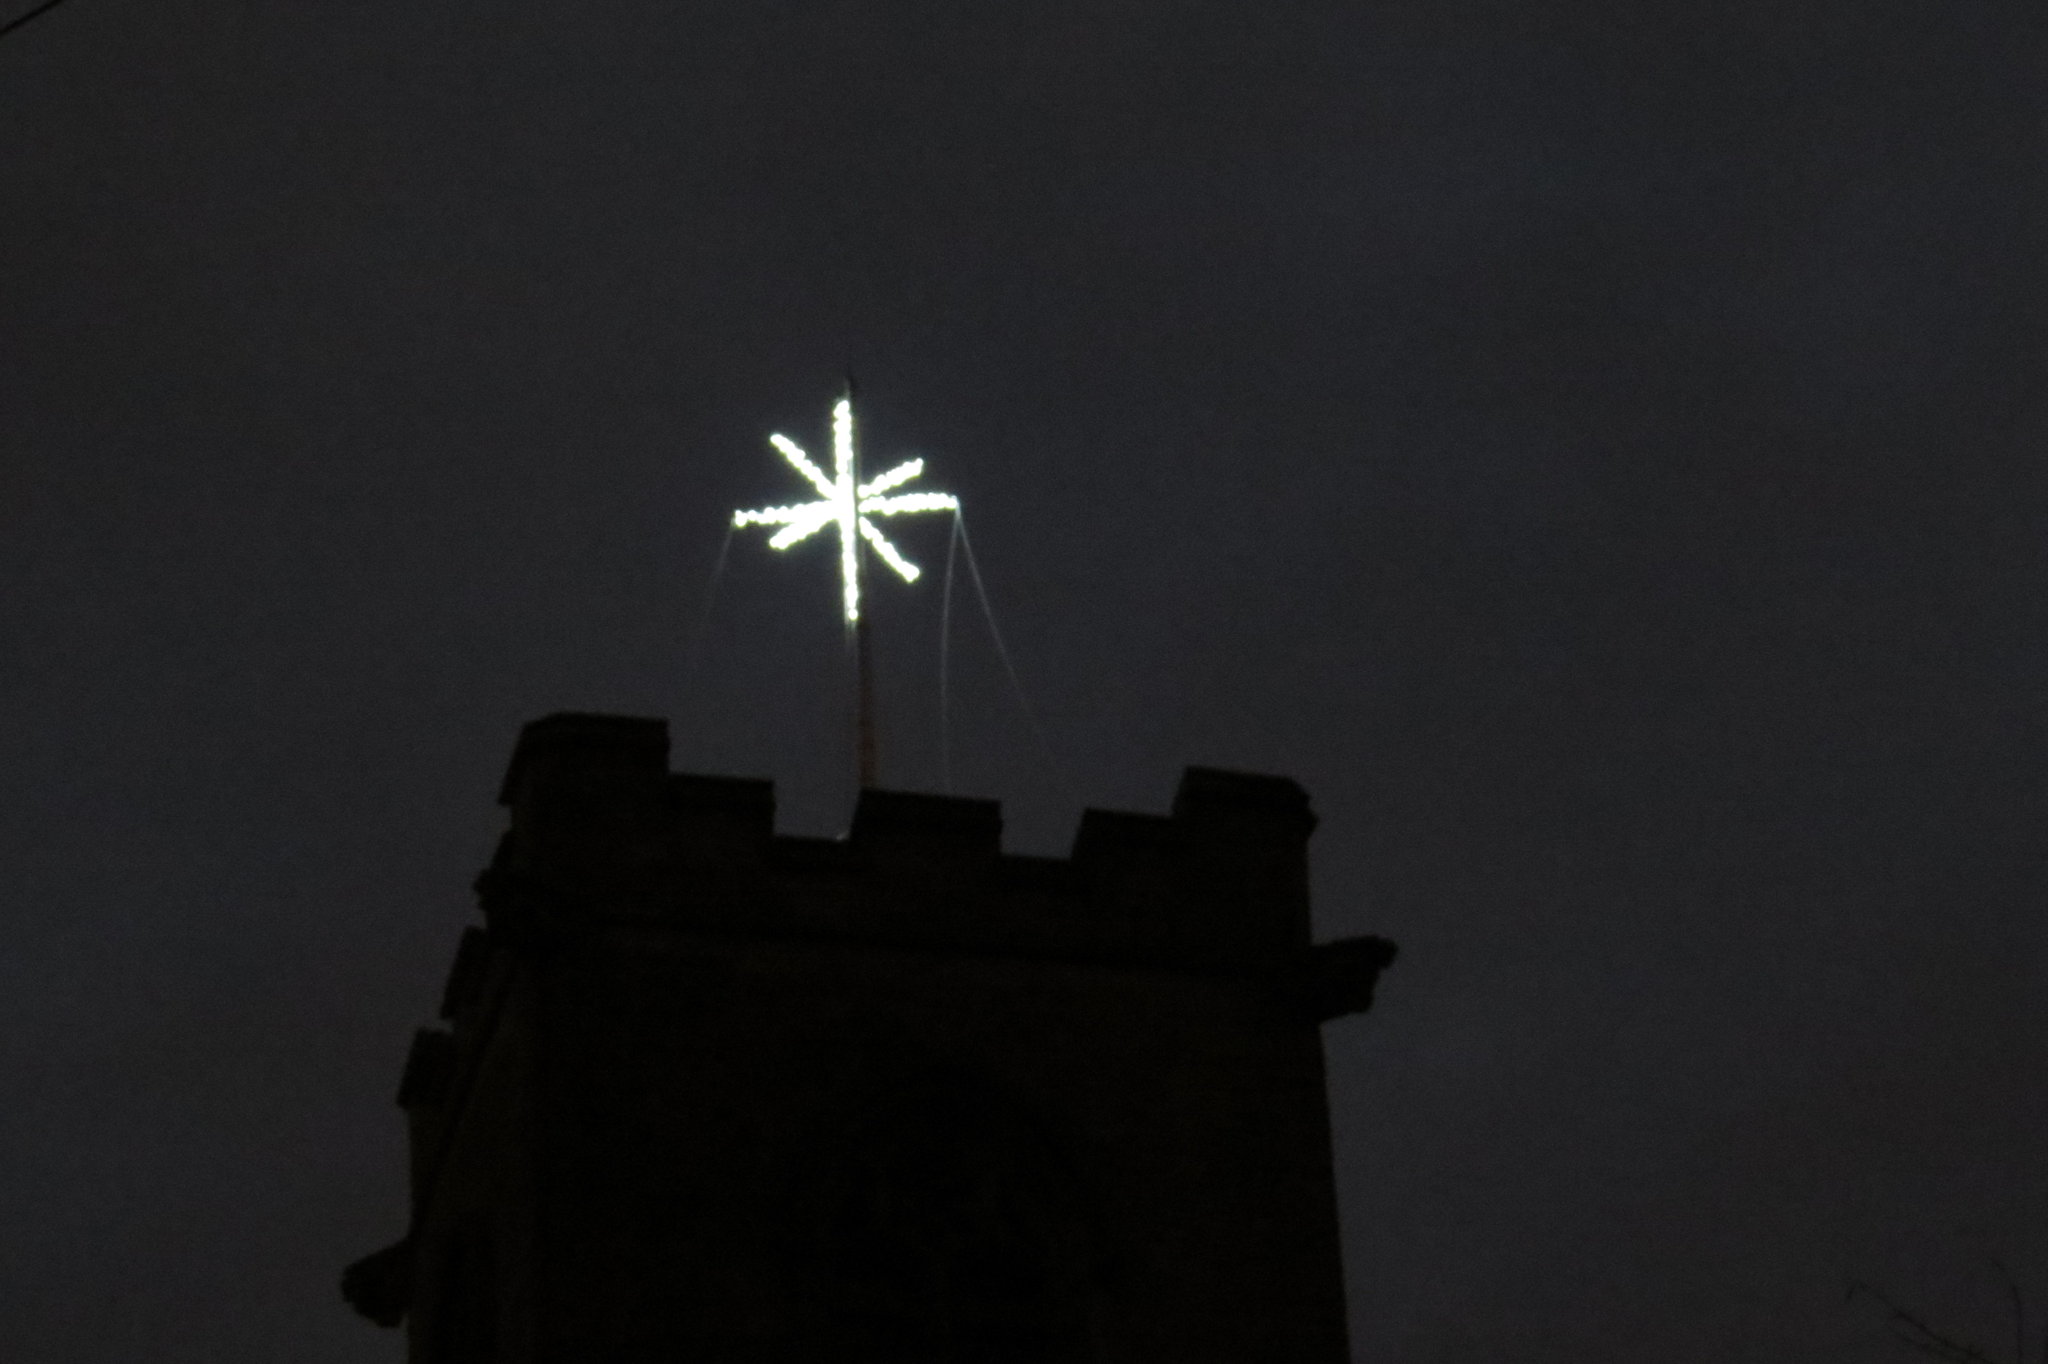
[[850, 506], [866, 743]]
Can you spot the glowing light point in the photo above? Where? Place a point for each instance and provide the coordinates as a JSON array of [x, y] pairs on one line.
[[845, 501]]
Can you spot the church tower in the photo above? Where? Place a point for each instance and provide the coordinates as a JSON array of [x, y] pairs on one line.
[[708, 1093]]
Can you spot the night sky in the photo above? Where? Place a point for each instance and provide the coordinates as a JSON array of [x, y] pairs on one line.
[[1597, 448]]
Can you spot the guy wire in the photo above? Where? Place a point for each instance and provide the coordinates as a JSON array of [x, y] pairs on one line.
[[945, 686], [693, 658], [1052, 762]]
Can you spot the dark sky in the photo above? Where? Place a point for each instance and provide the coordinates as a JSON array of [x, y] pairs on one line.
[[1595, 447]]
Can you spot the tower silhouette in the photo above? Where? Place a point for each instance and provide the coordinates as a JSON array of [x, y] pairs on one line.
[[705, 1092]]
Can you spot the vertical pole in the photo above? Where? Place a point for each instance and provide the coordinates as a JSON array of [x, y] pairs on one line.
[[864, 705], [867, 757]]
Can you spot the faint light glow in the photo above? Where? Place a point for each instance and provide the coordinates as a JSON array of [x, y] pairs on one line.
[[848, 504]]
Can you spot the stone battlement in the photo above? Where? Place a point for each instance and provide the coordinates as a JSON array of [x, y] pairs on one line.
[[703, 1090], [600, 829]]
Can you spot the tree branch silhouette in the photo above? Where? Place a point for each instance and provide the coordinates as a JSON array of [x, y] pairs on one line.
[[1917, 1333], [2019, 1310], [38, 12]]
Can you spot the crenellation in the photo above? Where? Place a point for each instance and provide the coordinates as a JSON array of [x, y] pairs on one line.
[[1126, 860], [718, 823], [1260, 806], [598, 822], [571, 752], [907, 833]]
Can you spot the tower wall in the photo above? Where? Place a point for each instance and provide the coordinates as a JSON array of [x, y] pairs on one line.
[[714, 1093]]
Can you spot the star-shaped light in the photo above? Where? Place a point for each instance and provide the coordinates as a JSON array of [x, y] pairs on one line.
[[845, 501]]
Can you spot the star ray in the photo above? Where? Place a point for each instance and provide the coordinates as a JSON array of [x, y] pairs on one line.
[[887, 552], [910, 502], [896, 477], [820, 517], [794, 453], [774, 516]]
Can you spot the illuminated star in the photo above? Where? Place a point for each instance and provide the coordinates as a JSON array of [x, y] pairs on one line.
[[847, 503]]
